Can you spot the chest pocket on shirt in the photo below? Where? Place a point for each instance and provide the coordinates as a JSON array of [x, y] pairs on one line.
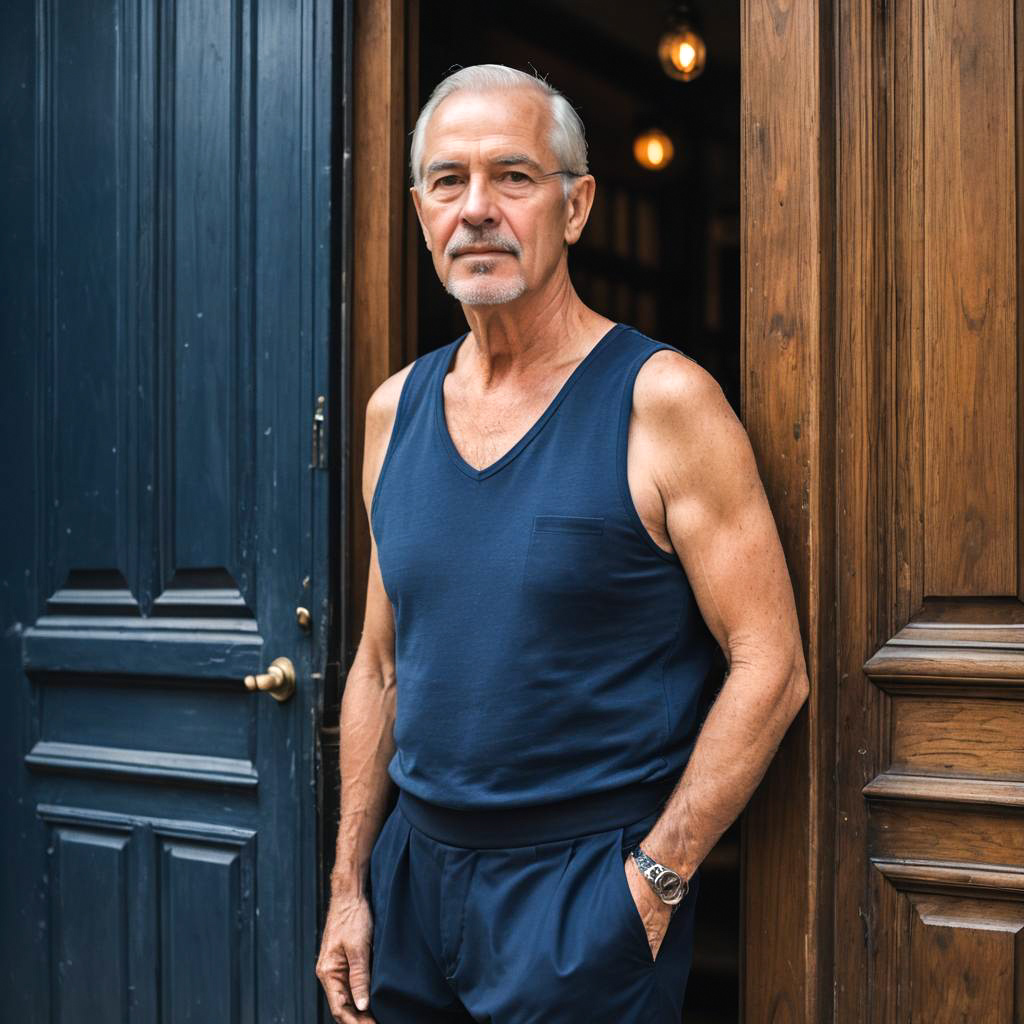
[[564, 554]]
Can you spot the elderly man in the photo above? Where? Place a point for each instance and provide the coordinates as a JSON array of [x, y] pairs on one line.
[[566, 518]]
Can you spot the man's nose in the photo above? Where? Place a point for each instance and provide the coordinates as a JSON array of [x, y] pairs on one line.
[[478, 201]]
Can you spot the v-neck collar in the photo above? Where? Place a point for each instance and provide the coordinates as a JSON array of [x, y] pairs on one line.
[[442, 425]]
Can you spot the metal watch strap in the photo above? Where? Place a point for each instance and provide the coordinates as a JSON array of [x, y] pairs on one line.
[[669, 886]]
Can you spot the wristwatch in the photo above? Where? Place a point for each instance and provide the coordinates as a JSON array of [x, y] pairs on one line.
[[664, 881]]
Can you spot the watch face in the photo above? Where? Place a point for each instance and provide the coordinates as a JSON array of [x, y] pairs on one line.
[[668, 883]]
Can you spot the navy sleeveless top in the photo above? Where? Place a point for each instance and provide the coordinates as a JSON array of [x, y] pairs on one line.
[[546, 647]]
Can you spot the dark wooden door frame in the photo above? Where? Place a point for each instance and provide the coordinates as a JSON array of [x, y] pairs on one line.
[[788, 408]]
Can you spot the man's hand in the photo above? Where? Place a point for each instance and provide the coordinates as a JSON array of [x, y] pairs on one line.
[[366, 726], [344, 963], [654, 913]]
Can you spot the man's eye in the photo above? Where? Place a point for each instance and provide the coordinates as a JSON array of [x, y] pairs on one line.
[[447, 179], [519, 176]]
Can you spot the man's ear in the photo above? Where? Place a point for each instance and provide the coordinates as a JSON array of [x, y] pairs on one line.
[[579, 203], [415, 192]]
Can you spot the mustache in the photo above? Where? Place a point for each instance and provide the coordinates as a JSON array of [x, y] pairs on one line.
[[461, 243]]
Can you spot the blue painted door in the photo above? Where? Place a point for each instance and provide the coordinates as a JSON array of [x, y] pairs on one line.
[[164, 245]]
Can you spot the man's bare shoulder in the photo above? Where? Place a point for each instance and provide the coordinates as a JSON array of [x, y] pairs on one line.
[[683, 414], [383, 401], [381, 408], [674, 389]]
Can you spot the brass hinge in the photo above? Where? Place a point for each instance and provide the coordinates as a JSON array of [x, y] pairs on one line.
[[319, 436]]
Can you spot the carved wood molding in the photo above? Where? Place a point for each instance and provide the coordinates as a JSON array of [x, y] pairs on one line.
[[945, 790], [955, 879], [962, 641]]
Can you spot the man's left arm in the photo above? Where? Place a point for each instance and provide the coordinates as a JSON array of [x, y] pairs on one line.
[[721, 526]]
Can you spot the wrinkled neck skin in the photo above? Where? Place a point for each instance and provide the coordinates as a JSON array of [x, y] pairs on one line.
[[523, 339]]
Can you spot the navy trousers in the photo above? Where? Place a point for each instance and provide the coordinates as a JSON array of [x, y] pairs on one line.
[[517, 934]]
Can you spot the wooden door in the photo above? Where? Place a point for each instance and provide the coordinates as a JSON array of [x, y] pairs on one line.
[[930, 759], [788, 393], [165, 200]]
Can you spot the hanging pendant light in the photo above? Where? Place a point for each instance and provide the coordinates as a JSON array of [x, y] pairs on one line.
[[653, 149], [681, 48]]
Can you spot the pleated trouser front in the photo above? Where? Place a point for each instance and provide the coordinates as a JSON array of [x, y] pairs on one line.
[[523, 934]]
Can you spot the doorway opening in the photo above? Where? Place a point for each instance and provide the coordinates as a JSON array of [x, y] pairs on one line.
[[660, 251], [661, 248]]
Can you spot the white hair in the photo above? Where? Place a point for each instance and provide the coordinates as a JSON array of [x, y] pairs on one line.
[[566, 137]]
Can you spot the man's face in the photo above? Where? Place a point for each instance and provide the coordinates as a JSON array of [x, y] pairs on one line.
[[484, 160]]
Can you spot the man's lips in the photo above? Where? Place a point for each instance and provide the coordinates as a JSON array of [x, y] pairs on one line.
[[483, 252]]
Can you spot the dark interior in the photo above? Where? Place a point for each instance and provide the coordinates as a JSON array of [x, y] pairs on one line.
[[661, 248]]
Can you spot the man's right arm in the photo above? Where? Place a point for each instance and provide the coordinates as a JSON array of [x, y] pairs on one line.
[[367, 745], [366, 741]]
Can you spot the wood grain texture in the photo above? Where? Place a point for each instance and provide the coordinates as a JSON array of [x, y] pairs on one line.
[[788, 412], [970, 424], [926, 876], [981, 738], [940, 789], [951, 946], [379, 212], [864, 360], [974, 835], [965, 960], [931, 659], [951, 640]]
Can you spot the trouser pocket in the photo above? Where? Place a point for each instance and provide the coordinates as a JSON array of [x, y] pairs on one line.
[[632, 834], [388, 845], [629, 838]]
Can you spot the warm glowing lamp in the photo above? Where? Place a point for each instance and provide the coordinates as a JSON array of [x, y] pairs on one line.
[[653, 149], [681, 49]]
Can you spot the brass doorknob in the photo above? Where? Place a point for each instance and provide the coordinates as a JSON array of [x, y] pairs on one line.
[[278, 680]]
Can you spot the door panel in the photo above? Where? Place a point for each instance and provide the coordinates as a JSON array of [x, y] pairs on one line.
[[930, 755], [164, 813]]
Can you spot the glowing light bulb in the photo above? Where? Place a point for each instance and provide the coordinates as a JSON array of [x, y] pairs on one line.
[[682, 52], [653, 149]]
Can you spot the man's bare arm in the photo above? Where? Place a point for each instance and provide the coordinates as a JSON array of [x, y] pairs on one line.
[[721, 526], [366, 740], [367, 744]]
